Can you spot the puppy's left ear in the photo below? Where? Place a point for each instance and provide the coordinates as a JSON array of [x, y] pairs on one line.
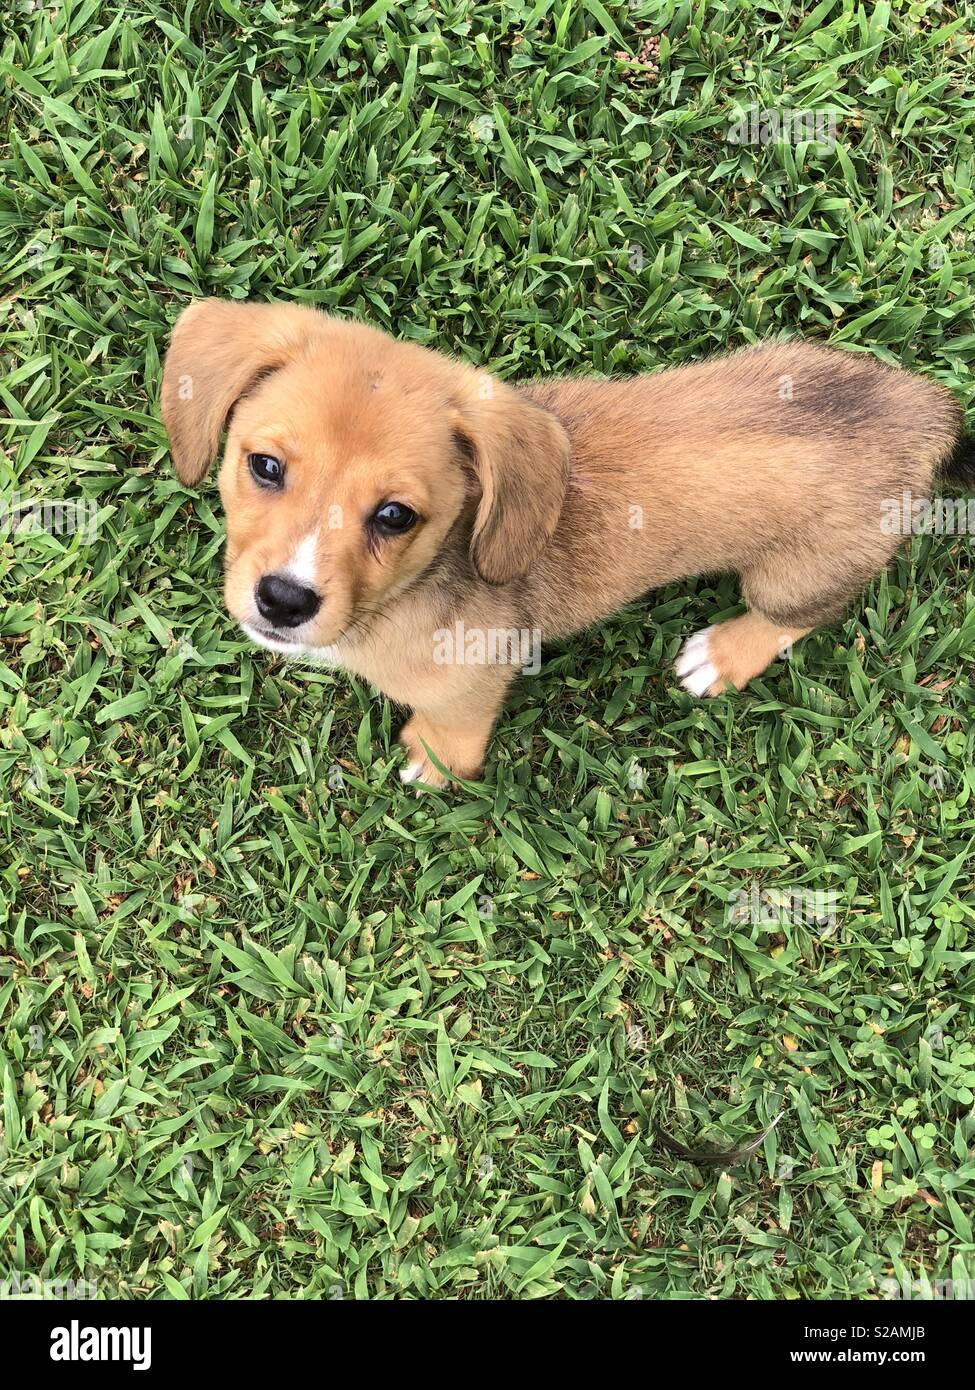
[[219, 348], [520, 456]]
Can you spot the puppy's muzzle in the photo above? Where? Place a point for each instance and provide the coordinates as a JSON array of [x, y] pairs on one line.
[[284, 603]]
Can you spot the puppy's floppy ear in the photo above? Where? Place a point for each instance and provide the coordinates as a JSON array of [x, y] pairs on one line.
[[219, 348], [520, 456]]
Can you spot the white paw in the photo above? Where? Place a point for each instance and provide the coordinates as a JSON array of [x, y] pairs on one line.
[[695, 669], [412, 773]]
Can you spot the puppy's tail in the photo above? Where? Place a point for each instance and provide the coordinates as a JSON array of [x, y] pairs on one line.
[[959, 467]]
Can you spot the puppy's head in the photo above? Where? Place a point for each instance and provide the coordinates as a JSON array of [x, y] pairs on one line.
[[351, 460]]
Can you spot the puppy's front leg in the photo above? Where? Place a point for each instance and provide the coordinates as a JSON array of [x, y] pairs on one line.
[[456, 730]]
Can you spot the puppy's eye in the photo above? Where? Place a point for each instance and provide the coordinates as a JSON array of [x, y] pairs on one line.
[[266, 469], [394, 517]]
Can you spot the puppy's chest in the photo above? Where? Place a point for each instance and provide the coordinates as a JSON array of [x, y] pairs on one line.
[[399, 658], [417, 653]]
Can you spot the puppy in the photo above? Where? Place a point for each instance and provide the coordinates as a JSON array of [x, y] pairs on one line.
[[395, 511]]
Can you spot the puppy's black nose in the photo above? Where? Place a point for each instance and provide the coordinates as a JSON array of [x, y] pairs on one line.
[[285, 603]]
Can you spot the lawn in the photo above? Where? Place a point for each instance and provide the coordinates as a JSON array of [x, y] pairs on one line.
[[272, 1025]]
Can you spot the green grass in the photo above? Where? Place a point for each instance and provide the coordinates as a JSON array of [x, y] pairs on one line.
[[271, 1025]]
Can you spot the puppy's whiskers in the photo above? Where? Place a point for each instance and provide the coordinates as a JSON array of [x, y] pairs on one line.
[[361, 624]]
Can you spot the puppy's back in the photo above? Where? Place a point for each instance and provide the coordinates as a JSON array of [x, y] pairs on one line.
[[788, 449], [846, 402]]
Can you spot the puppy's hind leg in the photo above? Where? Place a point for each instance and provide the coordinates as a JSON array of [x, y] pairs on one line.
[[786, 600], [733, 653]]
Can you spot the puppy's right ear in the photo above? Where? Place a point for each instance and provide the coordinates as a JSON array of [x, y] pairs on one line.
[[519, 454], [218, 350]]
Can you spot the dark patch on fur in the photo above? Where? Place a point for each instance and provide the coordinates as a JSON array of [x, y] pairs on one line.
[[825, 400], [960, 466], [822, 608], [816, 614]]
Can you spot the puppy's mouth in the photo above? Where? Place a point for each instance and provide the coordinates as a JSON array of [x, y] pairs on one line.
[[275, 639], [287, 641]]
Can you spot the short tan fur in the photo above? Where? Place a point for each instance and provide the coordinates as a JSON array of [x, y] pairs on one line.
[[541, 507]]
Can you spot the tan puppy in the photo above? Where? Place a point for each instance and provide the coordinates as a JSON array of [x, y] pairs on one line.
[[425, 525]]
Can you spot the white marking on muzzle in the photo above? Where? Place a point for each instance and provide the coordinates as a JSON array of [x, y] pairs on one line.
[[303, 566]]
